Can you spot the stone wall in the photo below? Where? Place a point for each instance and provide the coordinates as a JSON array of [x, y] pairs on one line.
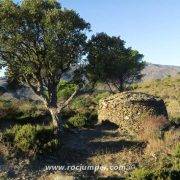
[[127, 109]]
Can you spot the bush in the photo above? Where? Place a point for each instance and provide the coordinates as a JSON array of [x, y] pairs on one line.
[[82, 104], [67, 113], [46, 140], [25, 138], [65, 90], [9, 134], [20, 110], [77, 121], [29, 138], [8, 110], [92, 118], [100, 96], [167, 174], [141, 174], [177, 151]]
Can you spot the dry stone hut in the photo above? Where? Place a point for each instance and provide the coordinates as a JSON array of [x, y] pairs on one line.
[[127, 109]]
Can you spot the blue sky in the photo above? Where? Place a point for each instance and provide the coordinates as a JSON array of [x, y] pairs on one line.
[[150, 26]]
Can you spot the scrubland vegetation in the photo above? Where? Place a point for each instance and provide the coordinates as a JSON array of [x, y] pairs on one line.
[[46, 48], [26, 129], [168, 89]]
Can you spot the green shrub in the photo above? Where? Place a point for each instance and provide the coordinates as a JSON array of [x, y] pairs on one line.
[[65, 90], [25, 138], [167, 174], [77, 121], [28, 138], [9, 134], [177, 151], [92, 118], [100, 96], [82, 104], [141, 174], [20, 111], [46, 140], [67, 113]]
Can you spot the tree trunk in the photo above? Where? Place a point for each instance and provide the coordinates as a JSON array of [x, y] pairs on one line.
[[110, 87], [121, 85], [55, 109], [56, 120]]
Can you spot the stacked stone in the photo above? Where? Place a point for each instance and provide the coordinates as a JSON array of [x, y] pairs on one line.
[[128, 109]]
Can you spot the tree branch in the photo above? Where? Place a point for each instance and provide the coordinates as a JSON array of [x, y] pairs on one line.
[[66, 103]]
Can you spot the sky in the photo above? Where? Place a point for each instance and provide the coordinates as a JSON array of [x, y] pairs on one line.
[[150, 26]]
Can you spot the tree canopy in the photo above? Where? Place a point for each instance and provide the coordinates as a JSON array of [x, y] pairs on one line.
[[40, 41], [111, 62]]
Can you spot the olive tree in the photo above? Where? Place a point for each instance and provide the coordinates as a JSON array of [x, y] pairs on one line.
[[40, 42]]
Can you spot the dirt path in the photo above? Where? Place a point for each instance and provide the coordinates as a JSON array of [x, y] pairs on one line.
[[79, 146]]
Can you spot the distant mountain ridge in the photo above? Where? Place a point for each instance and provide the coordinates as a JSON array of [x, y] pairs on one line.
[[151, 71], [157, 71]]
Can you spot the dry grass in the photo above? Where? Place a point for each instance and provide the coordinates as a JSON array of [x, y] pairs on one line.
[[150, 156], [56, 176], [125, 160], [12, 107], [156, 145], [150, 128], [168, 89], [157, 148]]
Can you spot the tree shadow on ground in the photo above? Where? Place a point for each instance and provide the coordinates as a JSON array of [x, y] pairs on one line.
[[78, 146]]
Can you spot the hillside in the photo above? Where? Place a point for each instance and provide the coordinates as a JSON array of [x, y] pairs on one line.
[[167, 88], [151, 71], [87, 143], [157, 71]]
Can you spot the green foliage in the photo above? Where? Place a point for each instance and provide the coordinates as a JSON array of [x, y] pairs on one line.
[[9, 134], [177, 151], [20, 110], [66, 113], [111, 62], [26, 138], [168, 174], [86, 106], [12, 79], [167, 167], [100, 96], [82, 104], [65, 90], [77, 121], [168, 90], [47, 141], [141, 174], [40, 42]]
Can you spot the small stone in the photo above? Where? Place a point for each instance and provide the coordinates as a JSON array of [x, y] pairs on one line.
[[126, 118]]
